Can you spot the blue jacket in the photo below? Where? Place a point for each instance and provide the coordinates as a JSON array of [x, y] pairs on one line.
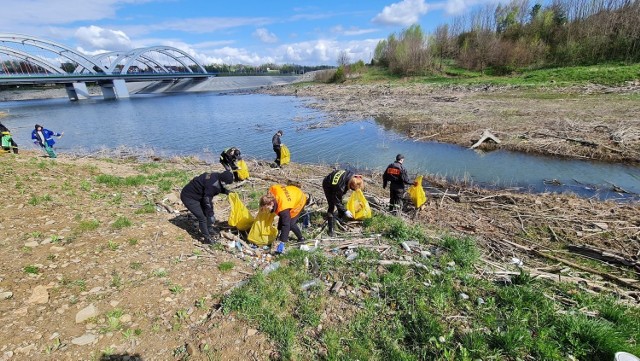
[[48, 137]]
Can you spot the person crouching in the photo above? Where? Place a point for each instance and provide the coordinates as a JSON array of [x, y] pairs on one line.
[[198, 195], [287, 202]]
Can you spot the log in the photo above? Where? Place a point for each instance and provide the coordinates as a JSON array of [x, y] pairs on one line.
[[602, 255], [627, 283], [486, 135]]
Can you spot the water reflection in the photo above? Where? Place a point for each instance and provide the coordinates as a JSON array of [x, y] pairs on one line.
[[204, 124]]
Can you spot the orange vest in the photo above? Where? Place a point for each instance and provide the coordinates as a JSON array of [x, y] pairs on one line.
[[288, 197]]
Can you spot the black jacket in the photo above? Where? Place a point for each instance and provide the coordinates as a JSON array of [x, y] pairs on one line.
[[395, 174], [336, 185], [230, 156], [276, 140], [203, 188]]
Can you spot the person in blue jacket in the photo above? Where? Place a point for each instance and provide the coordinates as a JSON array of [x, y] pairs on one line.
[[44, 138]]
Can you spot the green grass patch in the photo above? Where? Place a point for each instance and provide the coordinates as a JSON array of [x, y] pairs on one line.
[[394, 228], [121, 222], [146, 208], [31, 269], [37, 200], [90, 225], [116, 181], [225, 266]]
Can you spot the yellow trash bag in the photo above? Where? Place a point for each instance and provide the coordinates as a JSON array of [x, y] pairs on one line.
[[285, 155], [416, 192], [239, 215], [358, 205], [243, 170], [263, 232]]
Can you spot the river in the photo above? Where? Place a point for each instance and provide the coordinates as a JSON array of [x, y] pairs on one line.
[[203, 124]]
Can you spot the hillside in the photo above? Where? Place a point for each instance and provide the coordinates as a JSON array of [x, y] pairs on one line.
[[99, 262]]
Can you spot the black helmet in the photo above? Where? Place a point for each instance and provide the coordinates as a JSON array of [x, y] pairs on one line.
[[226, 177], [399, 157]]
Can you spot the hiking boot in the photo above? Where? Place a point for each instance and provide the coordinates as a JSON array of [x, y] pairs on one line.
[[330, 231]]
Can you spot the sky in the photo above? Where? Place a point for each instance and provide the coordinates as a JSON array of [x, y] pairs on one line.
[[231, 32]]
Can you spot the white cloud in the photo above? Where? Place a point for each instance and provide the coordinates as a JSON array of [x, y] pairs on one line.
[[265, 35], [352, 31], [95, 37], [324, 51], [404, 13]]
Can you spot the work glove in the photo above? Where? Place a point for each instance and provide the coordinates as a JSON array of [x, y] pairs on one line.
[[348, 214]]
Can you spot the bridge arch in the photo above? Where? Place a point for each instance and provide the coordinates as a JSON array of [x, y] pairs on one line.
[[30, 59], [144, 55], [85, 64]]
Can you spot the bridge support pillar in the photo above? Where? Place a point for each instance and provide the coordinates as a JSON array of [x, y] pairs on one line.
[[77, 91], [114, 89]]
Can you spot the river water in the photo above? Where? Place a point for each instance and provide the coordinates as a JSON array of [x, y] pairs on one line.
[[203, 124]]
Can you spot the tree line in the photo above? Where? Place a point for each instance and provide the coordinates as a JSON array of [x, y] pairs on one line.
[[506, 37]]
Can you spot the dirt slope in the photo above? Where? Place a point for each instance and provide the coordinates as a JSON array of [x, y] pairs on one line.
[[90, 268]]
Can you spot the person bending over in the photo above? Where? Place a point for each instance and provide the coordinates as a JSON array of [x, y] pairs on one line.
[[335, 185], [198, 195]]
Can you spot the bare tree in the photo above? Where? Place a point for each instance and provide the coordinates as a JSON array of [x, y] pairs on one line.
[[343, 58]]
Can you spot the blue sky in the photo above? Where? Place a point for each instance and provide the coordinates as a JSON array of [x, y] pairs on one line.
[[230, 32]]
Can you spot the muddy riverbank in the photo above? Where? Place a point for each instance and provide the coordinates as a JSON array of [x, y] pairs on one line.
[[590, 122]]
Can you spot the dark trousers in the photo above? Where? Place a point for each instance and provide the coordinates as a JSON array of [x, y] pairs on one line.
[[197, 209], [395, 202], [276, 149], [293, 226], [332, 200]]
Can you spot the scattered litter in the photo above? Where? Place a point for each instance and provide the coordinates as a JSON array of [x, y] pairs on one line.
[[308, 284], [405, 246], [517, 262], [270, 268]]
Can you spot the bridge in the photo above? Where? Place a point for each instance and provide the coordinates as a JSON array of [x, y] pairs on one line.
[[29, 60]]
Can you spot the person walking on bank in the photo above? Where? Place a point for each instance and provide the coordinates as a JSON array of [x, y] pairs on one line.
[[275, 141], [198, 195], [397, 175], [287, 202], [8, 144], [44, 138], [228, 159], [335, 186]]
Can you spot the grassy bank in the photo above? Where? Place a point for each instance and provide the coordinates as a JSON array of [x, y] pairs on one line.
[[437, 308], [604, 74]]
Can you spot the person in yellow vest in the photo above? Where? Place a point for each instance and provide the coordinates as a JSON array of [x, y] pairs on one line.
[[287, 202]]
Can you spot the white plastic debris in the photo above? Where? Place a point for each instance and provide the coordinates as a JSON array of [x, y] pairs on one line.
[[517, 262]]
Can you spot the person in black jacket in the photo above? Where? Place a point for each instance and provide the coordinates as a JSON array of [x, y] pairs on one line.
[[275, 141], [228, 159], [397, 175], [198, 194], [335, 185]]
